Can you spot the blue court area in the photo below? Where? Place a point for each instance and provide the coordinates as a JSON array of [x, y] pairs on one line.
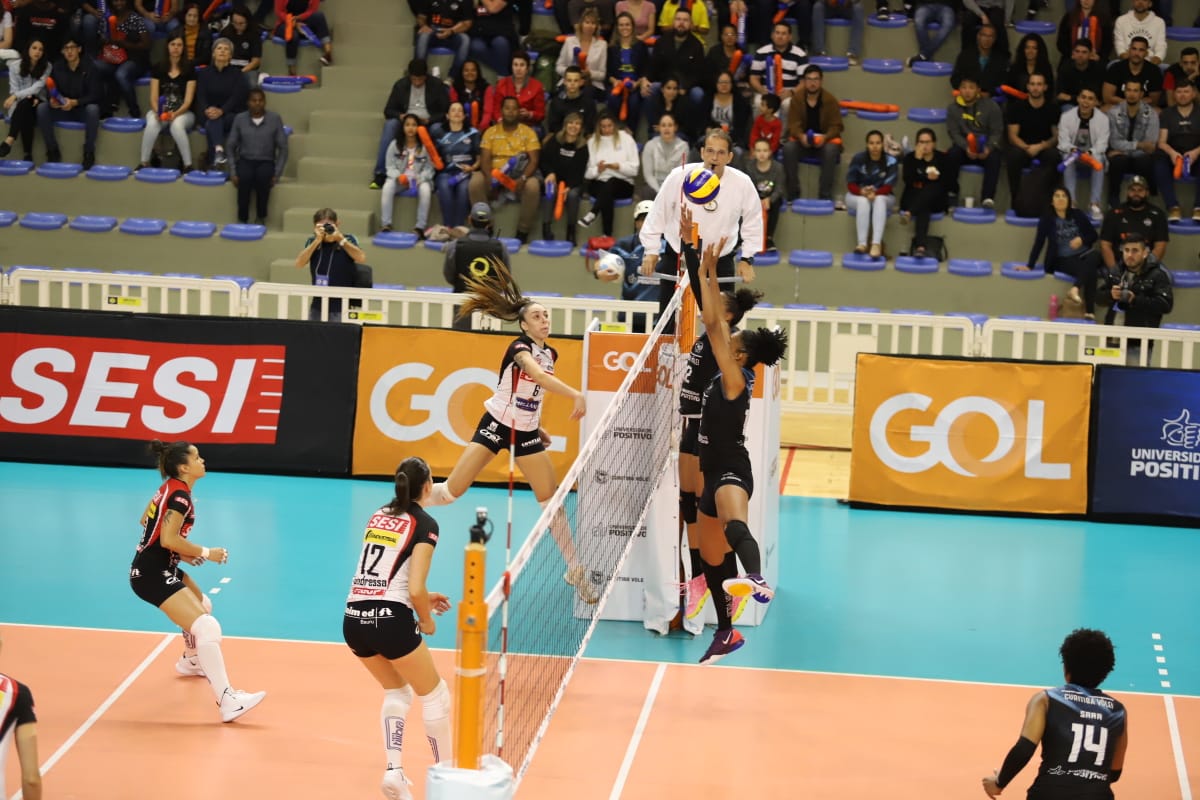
[[968, 598]]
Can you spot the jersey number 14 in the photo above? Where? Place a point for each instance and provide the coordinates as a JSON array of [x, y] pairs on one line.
[[1092, 738]]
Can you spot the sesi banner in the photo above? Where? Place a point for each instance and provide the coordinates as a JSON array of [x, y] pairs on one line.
[[421, 392], [973, 435], [95, 387]]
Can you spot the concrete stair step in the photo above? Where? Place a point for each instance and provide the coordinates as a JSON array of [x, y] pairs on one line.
[[322, 170], [374, 33], [334, 122], [339, 78], [388, 58]]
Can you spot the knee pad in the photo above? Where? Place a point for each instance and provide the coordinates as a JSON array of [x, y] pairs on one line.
[[206, 629], [736, 532], [687, 507], [206, 603], [436, 704]]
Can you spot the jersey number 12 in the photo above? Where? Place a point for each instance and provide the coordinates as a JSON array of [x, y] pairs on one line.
[[377, 551]]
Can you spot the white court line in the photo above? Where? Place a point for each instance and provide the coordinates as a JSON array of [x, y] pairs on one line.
[[638, 730], [105, 706], [1185, 788]]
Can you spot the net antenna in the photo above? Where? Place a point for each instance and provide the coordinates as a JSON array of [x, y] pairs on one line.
[[545, 624]]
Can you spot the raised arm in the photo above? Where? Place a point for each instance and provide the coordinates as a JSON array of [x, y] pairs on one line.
[[529, 366]]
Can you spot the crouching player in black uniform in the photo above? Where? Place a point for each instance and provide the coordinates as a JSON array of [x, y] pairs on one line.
[[388, 609], [155, 575], [1082, 730], [724, 461]]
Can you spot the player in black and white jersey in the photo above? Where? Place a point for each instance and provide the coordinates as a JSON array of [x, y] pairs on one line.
[[155, 575], [724, 461], [514, 411], [698, 374], [1081, 729], [387, 610], [18, 721]]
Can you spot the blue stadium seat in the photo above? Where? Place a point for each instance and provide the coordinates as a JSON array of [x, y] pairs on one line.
[[805, 307], [240, 280], [240, 232], [975, 216], [396, 287], [622, 201], [14, 167], [972, 168], [543, 294], [70, 125], [124, 124], [438, 289], [1075, 320], [810, 258], [878, 116], [768, 259], [550, 249], [594, 296], [143, 81], [1186, 279], [156, 175], [1016, 270], [932, 69], [282, 88], [969, 267], [37, 221], [92, 224], [863, 263], [205, 178], [1184, 227], [433, 245], [108, 172], [433, 51], [136, 272], [513, 245], [915, 312], [1020, 317], [540, 10], [927, 116], [1064, 277], [812, 207], [882, 66], [859, 309], [914, 265], [182, 275], [894, 20], [977, 319], [395, 240], [830, 64], [187, 229], [1183, 35], [7, 218], [1011, 218], [1040, 27], [143, 226], [61, 170], [1181, 326]]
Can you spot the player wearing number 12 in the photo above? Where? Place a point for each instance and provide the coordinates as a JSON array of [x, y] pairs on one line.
[[1082, 730]]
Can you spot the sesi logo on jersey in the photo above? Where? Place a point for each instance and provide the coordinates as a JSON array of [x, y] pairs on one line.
[[128, 389]]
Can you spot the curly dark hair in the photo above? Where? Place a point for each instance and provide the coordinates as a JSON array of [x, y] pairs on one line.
[[764, 346], [739, 302], [1087, 657]]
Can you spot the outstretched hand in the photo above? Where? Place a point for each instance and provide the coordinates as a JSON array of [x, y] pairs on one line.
[[685, 225]]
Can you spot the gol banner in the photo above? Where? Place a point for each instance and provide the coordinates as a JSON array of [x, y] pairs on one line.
[[972, 435], [421, 392]]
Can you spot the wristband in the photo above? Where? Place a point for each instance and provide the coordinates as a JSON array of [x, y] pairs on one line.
[[204, 553]]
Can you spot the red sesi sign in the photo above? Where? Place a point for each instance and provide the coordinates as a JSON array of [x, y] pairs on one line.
[[129, 389]]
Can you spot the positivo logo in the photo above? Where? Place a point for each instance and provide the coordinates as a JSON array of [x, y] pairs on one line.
[[1181, 431]]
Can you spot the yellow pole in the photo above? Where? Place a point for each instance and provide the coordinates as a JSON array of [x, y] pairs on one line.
[[471, 672]]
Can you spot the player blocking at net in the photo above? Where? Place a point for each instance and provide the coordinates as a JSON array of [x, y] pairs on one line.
[[723, 508], [512, 415]]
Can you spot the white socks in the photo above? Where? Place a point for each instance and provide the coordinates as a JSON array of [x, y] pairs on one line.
[[396, 703], [435, 708], [207, 633], [440, 496]]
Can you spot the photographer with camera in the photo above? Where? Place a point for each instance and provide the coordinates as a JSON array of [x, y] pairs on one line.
[[332, 258], [1143, 289]]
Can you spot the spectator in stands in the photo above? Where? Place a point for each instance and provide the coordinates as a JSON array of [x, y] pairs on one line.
[[1085, 21], [777, 68], [983, 61], [847, 9], [1132, 141], [1134, 67], [460, 257], [611, 170], [6, 28], [769, 180], [1136, 216], [445, 23], [1080, 70], [1069, 238], [220, 96], [258, 154], [670, 100], [1187, 69], [575, 96], [587, 51], [926, 178], [564, 163], [628, 60], [1178, 148], [123, 59], [814, 129], [197, 37], [1143, 290], [697, 18], [768, 125], [981, 13], [645, 17], [172, 96], [510, 149], [417, 93], [1141, 22], [332, 258], [976, 128], [45, 21], [605, 15], [726, 56], [75, 79], [291, 14], [1032, 128], [470, 89], [409, 166], [679, 55], [926, 13], [529, 92], [1083, 131], [27, 90], [494, 35], [871, 181], [247, 44], [728, 111], [165, 23], [660, 155], [457, 142], [1031, 59]]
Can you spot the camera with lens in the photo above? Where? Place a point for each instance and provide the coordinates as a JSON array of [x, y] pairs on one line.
[[329, 228], [481, 531]]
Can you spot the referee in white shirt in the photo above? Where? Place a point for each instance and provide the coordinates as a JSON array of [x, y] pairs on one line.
[[735, 215]]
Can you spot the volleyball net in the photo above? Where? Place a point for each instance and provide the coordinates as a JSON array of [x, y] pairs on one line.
[[543, 612]]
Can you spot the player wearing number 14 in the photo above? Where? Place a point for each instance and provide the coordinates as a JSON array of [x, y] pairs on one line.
[[1082, 730]]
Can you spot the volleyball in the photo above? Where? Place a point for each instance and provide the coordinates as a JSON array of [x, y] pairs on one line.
[[610, 267], [701, 186]]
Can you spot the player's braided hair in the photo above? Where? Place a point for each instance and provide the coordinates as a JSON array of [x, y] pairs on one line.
[[494, 293], [764, 346], [739, 302]]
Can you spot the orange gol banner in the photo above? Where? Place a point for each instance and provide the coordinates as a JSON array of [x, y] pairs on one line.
[[421, 393], [971, 434]]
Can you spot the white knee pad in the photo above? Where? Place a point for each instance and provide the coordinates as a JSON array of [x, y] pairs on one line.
[[440, 496], [206, 629], [436, 704], [206, 603]]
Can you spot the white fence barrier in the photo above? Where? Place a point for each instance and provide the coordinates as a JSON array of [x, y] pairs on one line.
[[109, 291], [1098, 344]]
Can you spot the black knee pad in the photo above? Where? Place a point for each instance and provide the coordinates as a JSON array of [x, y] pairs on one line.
[[736, 532], [687, 507]]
